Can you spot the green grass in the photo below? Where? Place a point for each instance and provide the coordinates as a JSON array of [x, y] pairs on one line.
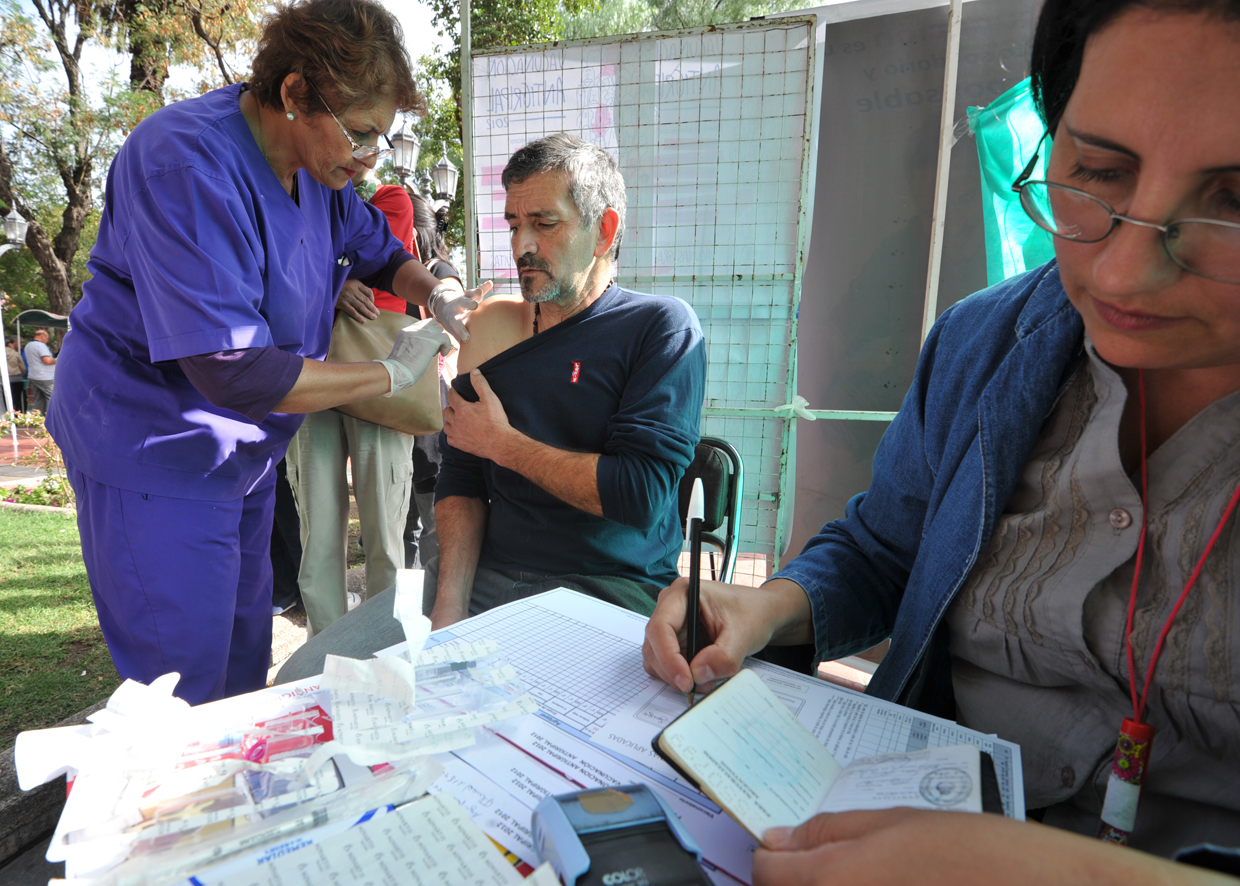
[[49, 633]]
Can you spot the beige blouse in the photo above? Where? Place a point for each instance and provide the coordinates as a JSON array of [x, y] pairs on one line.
[[1037, 631]]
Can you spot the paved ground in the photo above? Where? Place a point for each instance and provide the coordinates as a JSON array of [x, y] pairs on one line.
[[25, 444], [288, 632], [17, 475]]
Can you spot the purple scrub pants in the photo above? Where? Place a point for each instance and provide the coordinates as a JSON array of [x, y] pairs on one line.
[[181, 585]]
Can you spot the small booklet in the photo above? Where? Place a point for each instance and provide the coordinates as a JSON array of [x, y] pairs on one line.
[[750, 754]]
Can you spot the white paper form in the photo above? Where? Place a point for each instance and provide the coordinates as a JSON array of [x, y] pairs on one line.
[[852, 726], [500, 815], [522, 776], [849, 724], [431, 841], [581, 659], [934, 778]]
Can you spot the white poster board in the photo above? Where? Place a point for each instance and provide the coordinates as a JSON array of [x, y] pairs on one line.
[[712, 129]]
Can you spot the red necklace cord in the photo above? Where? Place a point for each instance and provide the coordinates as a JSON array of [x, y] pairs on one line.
[[1138, 705], [1136, 572]]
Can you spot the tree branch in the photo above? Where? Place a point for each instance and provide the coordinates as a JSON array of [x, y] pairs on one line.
[[54, 271], [195, 17]]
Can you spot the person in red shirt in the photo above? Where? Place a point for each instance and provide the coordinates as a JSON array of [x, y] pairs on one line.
[[421, 536]]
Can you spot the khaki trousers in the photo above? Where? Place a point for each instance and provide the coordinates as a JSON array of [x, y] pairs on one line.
[[382, 476]]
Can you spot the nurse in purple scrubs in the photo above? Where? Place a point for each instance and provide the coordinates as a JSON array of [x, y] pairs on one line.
[[229, 226]]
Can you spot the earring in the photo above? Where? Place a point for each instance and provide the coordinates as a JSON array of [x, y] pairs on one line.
[[291, 115]]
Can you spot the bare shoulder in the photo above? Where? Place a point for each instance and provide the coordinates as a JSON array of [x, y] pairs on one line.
[[498, 324]]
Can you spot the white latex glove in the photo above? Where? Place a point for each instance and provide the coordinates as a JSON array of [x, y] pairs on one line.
[[449, 307], [413, 352]]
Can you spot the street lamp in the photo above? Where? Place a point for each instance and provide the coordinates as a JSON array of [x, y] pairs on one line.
[[14, 231], [405, 147], [443, 179]]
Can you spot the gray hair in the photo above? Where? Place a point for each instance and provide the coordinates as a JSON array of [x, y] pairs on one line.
[[594, 180]]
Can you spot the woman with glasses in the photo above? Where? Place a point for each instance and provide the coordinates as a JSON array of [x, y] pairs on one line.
[[229, 225], [1050, 539]]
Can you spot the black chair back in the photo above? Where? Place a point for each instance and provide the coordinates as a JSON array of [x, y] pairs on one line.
[[717, 463]]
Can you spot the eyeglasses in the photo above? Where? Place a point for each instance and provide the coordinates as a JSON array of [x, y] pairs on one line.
[[360, 152], [1206, 247]]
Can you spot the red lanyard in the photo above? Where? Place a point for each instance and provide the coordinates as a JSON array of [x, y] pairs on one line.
[[1132, 752]]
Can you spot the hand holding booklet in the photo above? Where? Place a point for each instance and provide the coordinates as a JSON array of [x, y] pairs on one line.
[[751, 755]]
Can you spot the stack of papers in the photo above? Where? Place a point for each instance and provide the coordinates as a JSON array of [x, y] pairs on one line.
[[599, 713], [539, 697], [163, 793]]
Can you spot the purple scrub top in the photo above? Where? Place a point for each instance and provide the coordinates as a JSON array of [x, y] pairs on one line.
[[200, 249]]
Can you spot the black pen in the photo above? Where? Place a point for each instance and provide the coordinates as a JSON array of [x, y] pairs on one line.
[[697, 511]]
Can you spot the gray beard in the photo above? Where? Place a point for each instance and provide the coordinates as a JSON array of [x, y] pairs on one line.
[[554, 292]]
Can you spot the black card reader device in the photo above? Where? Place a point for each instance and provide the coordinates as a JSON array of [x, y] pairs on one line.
[[624, 836]]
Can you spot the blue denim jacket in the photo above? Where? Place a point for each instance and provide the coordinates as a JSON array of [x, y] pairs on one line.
[[991, 370], [989, 373]]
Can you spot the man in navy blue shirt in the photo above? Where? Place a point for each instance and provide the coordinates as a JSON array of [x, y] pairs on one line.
[[573, 418], [575, 412]]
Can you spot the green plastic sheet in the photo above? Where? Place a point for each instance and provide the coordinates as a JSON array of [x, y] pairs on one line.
[[1007, 133]]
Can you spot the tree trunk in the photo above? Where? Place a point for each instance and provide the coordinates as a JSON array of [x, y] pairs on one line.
[[145, 73], [55, 271], [148, 59], [55, 255]]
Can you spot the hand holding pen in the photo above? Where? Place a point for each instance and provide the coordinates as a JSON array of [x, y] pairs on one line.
[[733, 621], [693, 615]]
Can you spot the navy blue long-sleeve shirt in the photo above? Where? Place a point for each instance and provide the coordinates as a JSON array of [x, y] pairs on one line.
[[624, 378]]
